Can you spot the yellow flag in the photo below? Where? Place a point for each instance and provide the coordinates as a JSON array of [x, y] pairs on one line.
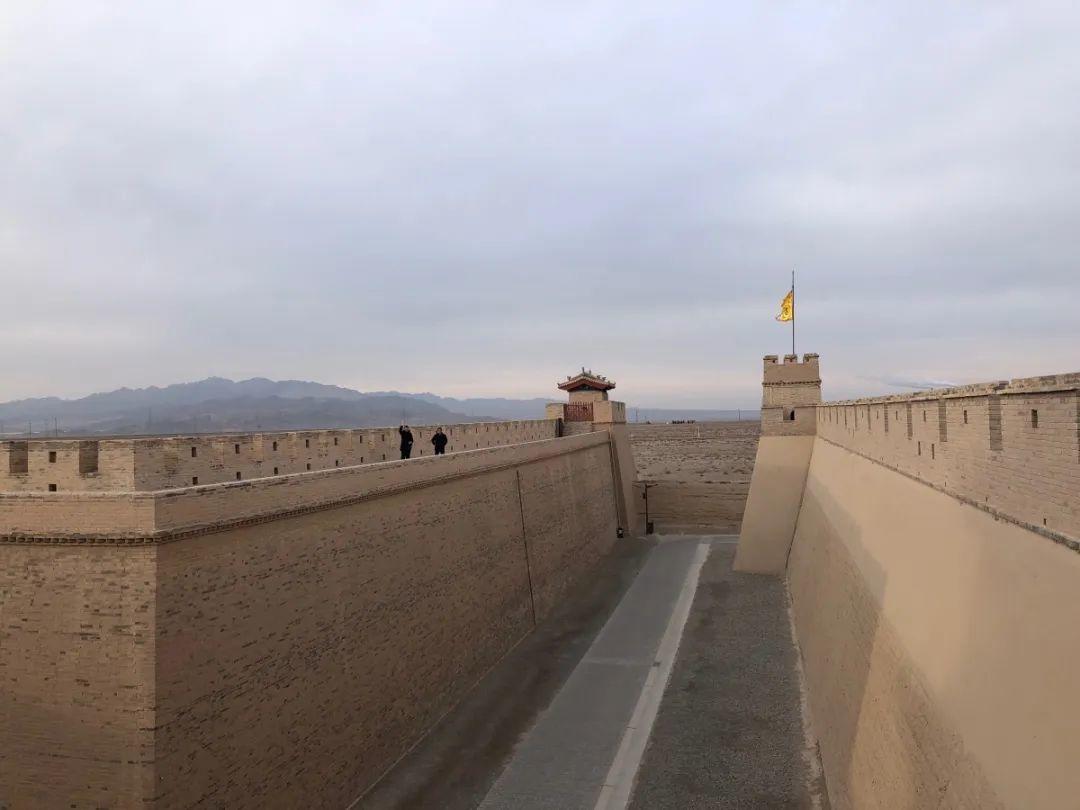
[[787, 308]]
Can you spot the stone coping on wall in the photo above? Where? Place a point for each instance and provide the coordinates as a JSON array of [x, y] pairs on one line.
[[151, 517], [161, 438], [1047, 384]]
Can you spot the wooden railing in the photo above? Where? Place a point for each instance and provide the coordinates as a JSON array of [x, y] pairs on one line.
[[579, 412]]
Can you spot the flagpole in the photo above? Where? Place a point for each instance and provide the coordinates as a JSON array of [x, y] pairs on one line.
[[793, 312]]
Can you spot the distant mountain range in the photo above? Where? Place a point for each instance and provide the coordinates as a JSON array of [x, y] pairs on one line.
[[216, 405]]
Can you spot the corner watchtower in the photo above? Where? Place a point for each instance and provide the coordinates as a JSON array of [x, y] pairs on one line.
[[790, 393], [790, 390], [587, 387], [589, 409], [588, 401]]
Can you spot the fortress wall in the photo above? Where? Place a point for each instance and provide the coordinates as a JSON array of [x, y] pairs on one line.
[[939, 643], [77, 642], [686, 507], [147, 464], [791, 392], [569, 511], [772, 508], [698, 474], [33, 464], [84, 515], [1012, 448], [773, 422], [308, 628], [300, 658]]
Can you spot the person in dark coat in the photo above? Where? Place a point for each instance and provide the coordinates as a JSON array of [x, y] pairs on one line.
[[439, 440], [406, 441]]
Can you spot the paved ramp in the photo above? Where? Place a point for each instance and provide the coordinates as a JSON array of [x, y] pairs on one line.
[[565, 759], [730, 734], [727, 733]]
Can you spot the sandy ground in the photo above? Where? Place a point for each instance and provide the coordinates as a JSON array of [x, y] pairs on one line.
[[700, 472], [705, 452]]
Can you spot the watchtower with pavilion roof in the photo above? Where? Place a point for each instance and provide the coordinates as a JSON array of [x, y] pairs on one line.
[[585, 386], [588, 411], [588, 402]]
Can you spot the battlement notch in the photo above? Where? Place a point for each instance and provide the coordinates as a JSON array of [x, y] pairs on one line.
[[789, 392]]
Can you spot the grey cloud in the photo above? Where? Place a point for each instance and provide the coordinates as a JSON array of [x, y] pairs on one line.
[[474, 197], [918, 385]]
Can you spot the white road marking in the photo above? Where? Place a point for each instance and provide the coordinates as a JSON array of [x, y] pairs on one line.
[[619, 783]]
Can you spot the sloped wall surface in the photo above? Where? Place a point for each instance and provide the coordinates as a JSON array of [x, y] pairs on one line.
[[772, 509], [939, 643]]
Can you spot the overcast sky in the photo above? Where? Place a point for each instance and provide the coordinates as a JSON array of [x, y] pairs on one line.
[[477, 198]]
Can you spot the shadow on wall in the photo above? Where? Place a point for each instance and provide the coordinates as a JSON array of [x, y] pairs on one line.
[[885, 739], [837, 624]]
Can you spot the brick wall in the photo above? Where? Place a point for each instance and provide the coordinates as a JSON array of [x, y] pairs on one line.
[[308, 628], [778, 421], [698, 474], [789, 392], [180, 461], [1010, 447], [77, 642]]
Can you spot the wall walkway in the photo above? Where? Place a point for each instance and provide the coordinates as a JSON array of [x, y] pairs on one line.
[[167, 462]]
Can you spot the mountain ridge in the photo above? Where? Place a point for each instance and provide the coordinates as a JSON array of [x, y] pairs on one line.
[[218, 404]]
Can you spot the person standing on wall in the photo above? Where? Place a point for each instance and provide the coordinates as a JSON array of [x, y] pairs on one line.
[[406, 441], [439, 440]]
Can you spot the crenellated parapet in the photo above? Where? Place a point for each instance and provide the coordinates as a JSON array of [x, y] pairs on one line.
[[1011, 447], [789, 390], [171, 462], [1020, 385], [791, 371]]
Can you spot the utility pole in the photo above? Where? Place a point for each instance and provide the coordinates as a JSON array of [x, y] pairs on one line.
[[645, 495]]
